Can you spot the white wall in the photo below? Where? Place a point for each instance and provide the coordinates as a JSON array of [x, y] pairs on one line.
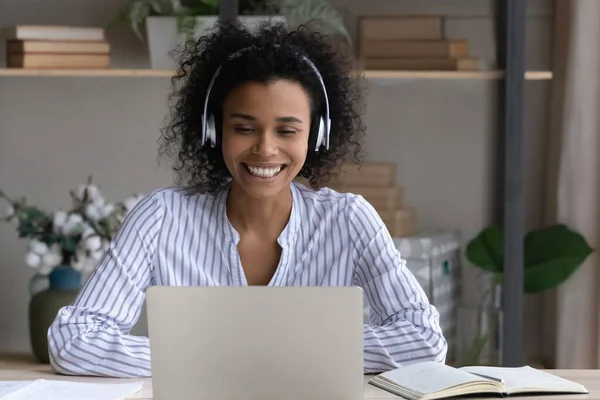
[[56, 131]]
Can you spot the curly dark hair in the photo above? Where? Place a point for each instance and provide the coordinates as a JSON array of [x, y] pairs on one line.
[[271, 52]]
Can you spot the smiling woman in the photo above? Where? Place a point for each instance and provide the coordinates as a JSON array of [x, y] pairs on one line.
[[265, 136], [234, 69], [254, 112]]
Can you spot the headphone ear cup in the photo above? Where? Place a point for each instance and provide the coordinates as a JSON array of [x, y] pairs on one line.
[[211, 131], [320, 134]]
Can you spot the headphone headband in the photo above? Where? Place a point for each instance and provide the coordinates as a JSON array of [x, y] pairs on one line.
[[209, 133]]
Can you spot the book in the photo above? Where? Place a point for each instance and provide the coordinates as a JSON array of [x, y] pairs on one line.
[[400, 223], [414, 48], [382, 198], [53, 32], [370, 174], [33, 60], [431, 380], [401, 28], [66, 390], [423, 63], [56, 47]]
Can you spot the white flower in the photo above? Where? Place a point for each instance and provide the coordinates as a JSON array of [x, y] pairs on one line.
[[72, 226], [75, 218], [80, 192], [97, 255], [37, 247], [92, 212], [32, 260], [91, 191], [10, 211], [130, 202], [93, 243], [85, 261], [59, 220], [79, 260], [45, 269], [51, 259], [78, 264], [107, 209], [87, 231], [94, 193]]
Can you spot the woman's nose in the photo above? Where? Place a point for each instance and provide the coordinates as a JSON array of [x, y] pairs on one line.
[[266, 145]]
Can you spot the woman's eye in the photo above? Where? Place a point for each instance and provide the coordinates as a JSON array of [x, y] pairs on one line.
[[243, 130], [287, 132]]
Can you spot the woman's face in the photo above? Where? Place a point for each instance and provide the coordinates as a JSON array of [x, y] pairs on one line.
[[265, 135]]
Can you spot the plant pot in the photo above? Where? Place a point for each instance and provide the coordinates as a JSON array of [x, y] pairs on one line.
[[164, 38], [63, 284], [479, 332]]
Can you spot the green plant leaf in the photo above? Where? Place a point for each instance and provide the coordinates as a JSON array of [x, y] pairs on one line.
[[35, 215], [485, 250], [138, 13], [69, 244], [103, 227], [26, 229], [186, 24], [50, 238], [552, 255], [299, 12]]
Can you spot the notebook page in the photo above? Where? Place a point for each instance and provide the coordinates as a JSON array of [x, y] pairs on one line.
[[7, 387], [429, 377], [64, 390], [528, 378]]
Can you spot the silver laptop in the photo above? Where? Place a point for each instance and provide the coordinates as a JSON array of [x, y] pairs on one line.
[[257, 342]]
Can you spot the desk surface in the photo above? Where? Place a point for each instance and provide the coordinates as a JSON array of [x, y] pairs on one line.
[[23, 368]]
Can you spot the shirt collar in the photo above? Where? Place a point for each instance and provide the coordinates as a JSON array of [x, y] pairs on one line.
[[287, 237]]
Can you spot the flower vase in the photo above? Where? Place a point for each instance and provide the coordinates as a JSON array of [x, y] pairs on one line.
[[62, 286], [480, 336]]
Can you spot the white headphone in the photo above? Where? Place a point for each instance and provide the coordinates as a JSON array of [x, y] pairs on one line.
[[209, 130]]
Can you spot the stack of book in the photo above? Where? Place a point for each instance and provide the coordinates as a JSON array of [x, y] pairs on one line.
[[411, 43], [376, 182], [53, 46]]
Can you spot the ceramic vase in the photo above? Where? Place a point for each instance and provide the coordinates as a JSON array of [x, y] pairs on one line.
[[62, 286], [164, 38]]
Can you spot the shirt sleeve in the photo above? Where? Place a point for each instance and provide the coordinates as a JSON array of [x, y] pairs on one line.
[[92, 336], [404, 327]]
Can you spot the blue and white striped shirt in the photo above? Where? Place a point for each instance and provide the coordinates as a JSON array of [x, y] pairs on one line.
[[175, 236]]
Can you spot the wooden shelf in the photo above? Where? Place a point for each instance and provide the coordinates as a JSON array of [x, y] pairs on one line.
[[472, 75], [383, 74], [86, 72]]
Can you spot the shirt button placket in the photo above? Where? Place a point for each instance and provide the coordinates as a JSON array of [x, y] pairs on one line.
[[235, 265]]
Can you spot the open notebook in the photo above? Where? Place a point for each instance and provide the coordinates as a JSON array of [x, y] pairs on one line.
[[42, 389], [432, 380]]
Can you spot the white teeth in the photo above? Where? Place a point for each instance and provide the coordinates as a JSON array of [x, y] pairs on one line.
[[264, 172]]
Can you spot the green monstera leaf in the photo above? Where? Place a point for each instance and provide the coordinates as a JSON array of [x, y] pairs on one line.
[[552, 255], [485, 250]]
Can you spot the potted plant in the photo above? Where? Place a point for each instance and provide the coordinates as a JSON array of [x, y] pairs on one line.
[[63, 246], [169, 23], [551, 255]]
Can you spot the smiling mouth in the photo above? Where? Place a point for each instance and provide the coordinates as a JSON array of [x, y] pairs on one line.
[[264, 172]]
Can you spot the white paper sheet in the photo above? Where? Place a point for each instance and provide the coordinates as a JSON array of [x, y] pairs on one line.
[[65, 390], [7, 387]]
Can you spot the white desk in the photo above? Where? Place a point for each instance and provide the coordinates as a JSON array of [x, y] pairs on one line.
[[23, 368]]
